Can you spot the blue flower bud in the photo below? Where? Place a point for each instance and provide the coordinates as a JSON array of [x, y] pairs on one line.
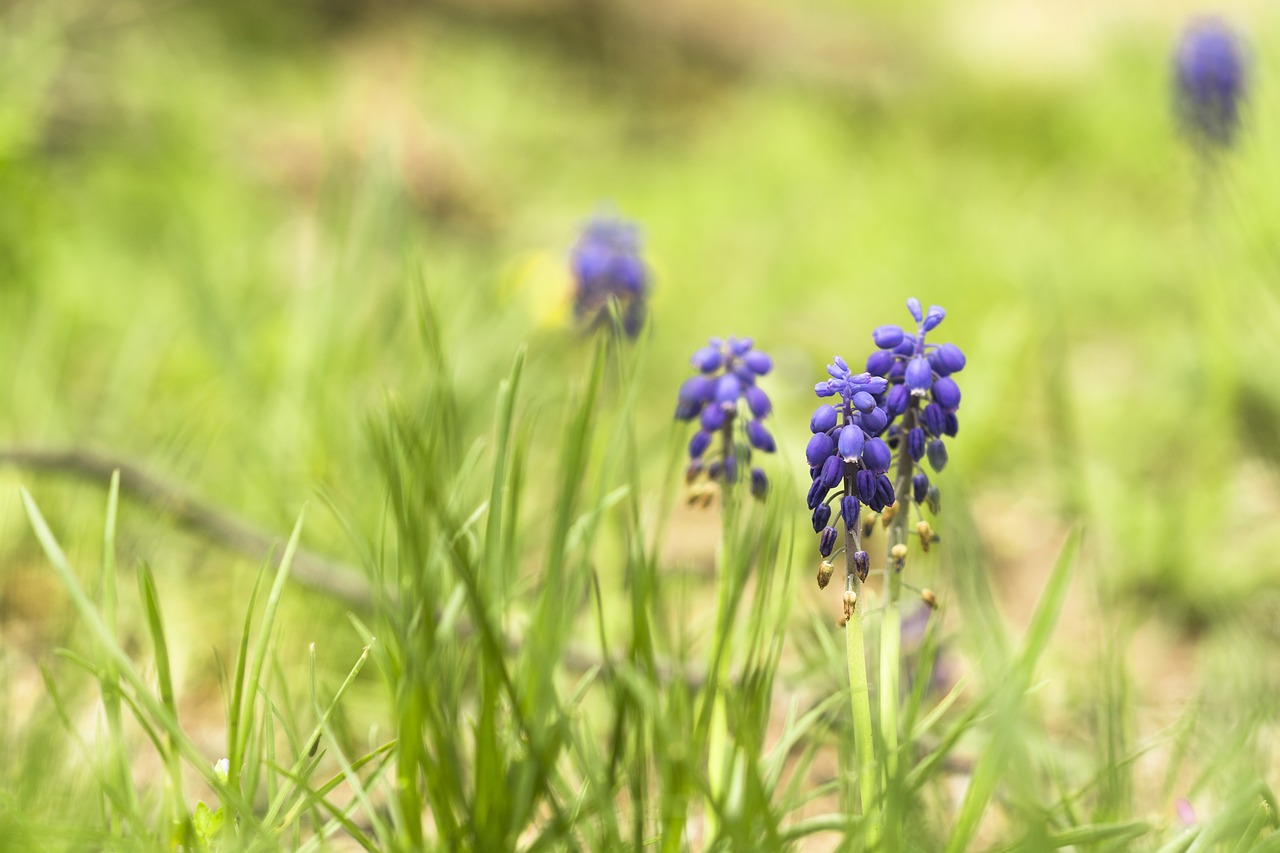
[[937, 455], [841, 364], [863, 402], [696, 389], [759, 483], [832, 472], [699, 443], [707, 359], [907, 347], [731, 469], [915, 444], [760, 438], [896, 372], [740, 346], [820, 447], [691, 473], [817, 494], [951, 356], [913, 305], [876, 455], [1210, 74], [850, 443], [862, 564], [896, 403], [744, 374], [758, 402], [687, 411], [919, 376], [875, 385], [728, 389], [824, 418], [821, 516], [919, 487], [874, 421], [850, 509], [884, 490], [887, 337], [633, 317], [879, 362], [951, 424], [947, 393], [712, 418], [824, 389], [935, 419], [715, 469], [827, 541], [865, 485], [934, 317], [759, 363], [935, 361]]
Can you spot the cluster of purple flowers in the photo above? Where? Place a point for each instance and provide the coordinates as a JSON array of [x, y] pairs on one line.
[[607, 266], [727, 374], [1209, 75], [905, 401]]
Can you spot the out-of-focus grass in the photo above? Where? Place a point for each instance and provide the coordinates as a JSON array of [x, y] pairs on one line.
[[210, 248]]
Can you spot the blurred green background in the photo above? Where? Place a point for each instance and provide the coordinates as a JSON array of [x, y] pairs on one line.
[[217, 221]]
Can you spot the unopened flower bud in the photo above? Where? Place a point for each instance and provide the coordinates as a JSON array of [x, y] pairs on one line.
[[862, 564], [821, 516], [827, 541], [934, 500], [825, 569], [937, 454], [759, 483], [824, 418], [927, 596], [898, 552]]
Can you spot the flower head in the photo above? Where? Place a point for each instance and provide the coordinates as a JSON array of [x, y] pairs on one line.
[[728, 405], [1209, 74], [891, 417], [606, 264]]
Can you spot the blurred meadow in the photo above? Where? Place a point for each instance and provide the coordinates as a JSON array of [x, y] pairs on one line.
[[276, 256]]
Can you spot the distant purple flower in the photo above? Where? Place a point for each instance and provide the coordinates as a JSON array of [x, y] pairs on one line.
[[727, 404], [606, 264], [1210, 80]]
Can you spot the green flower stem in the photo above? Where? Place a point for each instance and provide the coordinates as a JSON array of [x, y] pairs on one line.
[[859, 692]]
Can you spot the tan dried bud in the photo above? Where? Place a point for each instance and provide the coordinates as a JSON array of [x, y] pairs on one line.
[[927, 596], [886, 516], [868, 524], [898, 552], [850, 599], [824, 574]]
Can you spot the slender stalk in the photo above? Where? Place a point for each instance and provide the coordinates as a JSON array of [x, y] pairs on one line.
[[891, 621], [859, 691], [718, 736]]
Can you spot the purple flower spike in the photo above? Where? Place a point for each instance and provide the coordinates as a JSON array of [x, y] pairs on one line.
[[820, 447], [821, 516], [887, 337], [827, 541], [760, 438], [606, 266], [913, 305], [947, 393], [876, 455], [728, 371], [824, 418], [851, 442], [919, 376], [1210, 72]]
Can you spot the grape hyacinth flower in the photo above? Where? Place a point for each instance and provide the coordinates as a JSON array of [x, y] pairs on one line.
[[727, 404], [606, 265], [1209, 76]]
